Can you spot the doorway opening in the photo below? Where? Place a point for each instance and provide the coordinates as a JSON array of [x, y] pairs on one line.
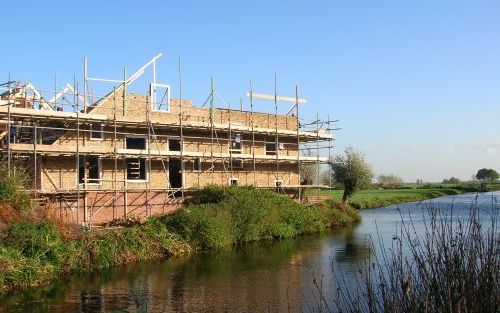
[[175, 173]]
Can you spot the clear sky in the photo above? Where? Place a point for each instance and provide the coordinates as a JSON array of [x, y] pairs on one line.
[[415, 84]]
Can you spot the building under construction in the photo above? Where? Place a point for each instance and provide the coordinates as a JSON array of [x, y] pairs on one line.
[[97, 158]]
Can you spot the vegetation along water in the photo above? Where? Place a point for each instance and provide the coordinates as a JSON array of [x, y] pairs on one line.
[[36, 248], [299, 274]]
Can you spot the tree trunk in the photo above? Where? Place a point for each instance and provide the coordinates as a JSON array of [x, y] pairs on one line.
[[345, 196]]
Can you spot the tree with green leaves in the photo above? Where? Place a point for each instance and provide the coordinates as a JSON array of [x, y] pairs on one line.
[[451, 180], [352, 171], [487, 175]]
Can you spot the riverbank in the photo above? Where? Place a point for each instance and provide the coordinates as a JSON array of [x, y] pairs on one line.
[[271, 276], [35, 251], [377, 198]]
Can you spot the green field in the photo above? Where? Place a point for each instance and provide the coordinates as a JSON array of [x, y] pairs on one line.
[[375, 198]]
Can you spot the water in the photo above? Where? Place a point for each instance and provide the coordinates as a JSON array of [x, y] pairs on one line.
[[261, 277]]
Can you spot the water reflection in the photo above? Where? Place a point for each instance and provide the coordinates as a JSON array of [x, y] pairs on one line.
[[269, 276]]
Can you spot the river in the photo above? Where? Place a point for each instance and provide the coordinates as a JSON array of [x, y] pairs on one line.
[[261, 277]]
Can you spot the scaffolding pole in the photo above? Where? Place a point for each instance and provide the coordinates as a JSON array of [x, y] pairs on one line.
[[9, 129], [212, 129], [148, 145], [115, 157], [77, 160], [230, 141], [276, 147], [85, 85], [298, 139], [317, 152], [35, 138], [330, 159], [181, 130], [124, 104], [253, 134]]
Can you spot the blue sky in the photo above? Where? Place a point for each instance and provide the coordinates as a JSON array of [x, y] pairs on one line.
[[415, 85]]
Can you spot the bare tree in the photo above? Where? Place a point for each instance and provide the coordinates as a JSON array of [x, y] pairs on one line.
[[390, 181], [308, 172]]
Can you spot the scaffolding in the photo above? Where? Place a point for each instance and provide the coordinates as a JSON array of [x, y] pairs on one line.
[[44, 129]]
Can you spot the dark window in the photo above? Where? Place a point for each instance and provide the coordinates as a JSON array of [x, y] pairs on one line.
[[237, 163], [197, 165], [136, 169], [95, 131], [81, 169], [135, 143], [233, 182], [175, 173], [21, 134], [92, 165], [174, 145], [235, 144], [279, 183], [270, 148]]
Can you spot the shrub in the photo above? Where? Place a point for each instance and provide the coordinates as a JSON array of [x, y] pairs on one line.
[[13, 188], [128, 221], [35, 253], [36, 240], [204, 225], [218, 216], [209, 194]]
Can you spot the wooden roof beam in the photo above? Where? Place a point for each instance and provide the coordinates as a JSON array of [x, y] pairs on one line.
[[278, 98]]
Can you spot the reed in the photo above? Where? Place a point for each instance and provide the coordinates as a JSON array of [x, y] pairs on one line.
[[454, 266]]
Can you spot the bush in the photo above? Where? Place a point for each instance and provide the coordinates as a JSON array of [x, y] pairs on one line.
[[218, 216], [13, 188], [204, 225], [36, 240], [35, 253]]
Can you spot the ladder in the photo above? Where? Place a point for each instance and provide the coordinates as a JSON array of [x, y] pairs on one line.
[[25, 133], [134, 168]]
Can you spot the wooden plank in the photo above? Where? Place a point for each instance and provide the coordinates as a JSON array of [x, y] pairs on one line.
[[50, 178], [278, 98], [56, 114], [70, 149], [21, 147], [137, 122], [43, 102]]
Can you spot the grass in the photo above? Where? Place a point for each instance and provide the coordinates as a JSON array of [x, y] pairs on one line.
[[34, 250], [493, 186], [34, 253], [12, 190], [466, 186], [375, 198], [453, 266]]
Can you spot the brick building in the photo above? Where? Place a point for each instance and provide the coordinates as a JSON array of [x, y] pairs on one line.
[[131, 154]]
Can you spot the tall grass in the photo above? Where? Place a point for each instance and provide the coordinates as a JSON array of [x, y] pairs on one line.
[[33, 253], [13, 189], [454, 266]]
